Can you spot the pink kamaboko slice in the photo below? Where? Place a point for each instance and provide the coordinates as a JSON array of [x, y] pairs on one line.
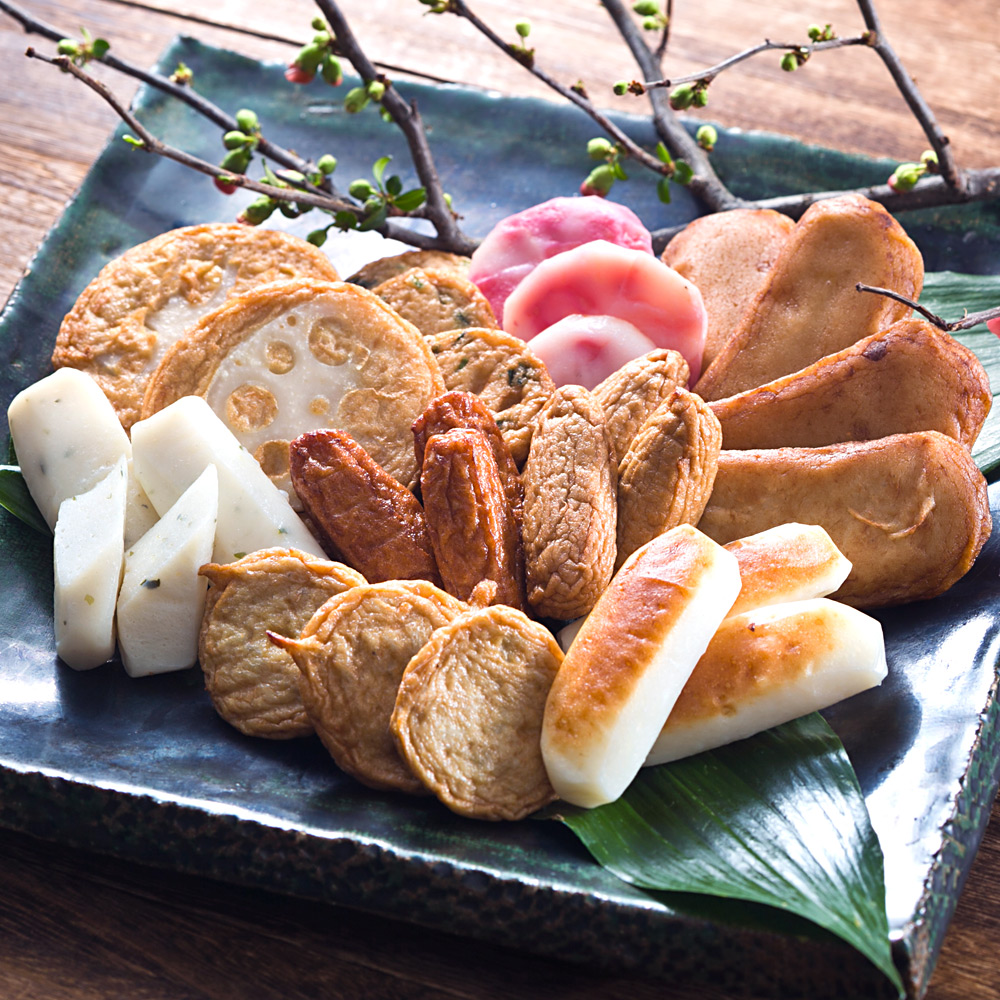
[[602, 279], [585, 350], [521, 241]]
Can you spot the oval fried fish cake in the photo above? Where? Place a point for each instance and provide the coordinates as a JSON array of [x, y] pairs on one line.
[[468, 715], [351, 656], [299, 355], [502, 371], [142, 302], [377, 271], [436, 300], [253, 684]]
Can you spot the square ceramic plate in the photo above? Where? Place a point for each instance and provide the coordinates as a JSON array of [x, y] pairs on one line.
[[145, 769]]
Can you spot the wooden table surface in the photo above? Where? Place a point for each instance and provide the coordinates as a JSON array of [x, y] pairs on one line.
[[80, 927]]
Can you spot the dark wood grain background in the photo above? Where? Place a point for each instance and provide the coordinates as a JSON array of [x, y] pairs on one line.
[[75, 927]]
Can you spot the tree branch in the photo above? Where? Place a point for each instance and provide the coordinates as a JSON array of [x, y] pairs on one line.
[[967, 322]]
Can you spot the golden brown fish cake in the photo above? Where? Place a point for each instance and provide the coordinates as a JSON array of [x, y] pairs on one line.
[[909, 511], [468, 715], [254, 685], [727, 255], [435, 301], [667, 474], [500, 369], [810, 306], [908, 377], [299, 355], [142, 302], [570, 506], [377, 271], [630, 395], [352, 654]]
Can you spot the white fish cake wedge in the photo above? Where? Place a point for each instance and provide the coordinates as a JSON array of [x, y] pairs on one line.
[[174, 446], [770, 666], [630, 660], [162, 597], [87, 556]]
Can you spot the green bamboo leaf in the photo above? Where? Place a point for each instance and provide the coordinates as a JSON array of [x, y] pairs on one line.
[[778, 819], [951, 296], [14, 496]]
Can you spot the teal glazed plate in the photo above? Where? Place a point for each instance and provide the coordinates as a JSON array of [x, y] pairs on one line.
[[145, 770]]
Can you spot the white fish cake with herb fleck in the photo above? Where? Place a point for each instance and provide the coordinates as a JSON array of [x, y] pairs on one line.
[[253, 684], [144, 301], [435, 301], [503, 372]]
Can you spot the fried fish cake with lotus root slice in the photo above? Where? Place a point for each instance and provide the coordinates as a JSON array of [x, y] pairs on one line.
[[630, 395], [468, 715], [375, 272], [667, 474], [503, 372], [144, 301], [253, 684], [570, 506], [351, 655], [361, 513], [908, 377], [909, 511], [728, 255], [435, 301], [295, 356], [810, 306]]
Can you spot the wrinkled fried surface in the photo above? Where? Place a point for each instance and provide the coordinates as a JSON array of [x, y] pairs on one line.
[[361, 513], [468, 715], [253, 684], [436, 300], [143, 301], [810, 307], [909, 511], [473, 531], [667, 474], [500, 369], [910, 377], [570, 506], [465, 409], [630, 395], [351, 655], [728, 256], [377, 271]]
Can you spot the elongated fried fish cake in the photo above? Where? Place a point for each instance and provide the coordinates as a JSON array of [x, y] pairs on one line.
[[909, 511], [810, 307], [909, 377]]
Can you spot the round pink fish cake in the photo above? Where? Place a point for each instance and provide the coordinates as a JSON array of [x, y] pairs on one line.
[[521, 241], [585, 350], [602, 279]]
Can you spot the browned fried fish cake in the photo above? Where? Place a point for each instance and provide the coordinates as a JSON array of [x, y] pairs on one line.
[[295, 356], [377, 271], [500, 369], [468, 715], [436, 300], [142, 302], [253, 684], [351, 655]]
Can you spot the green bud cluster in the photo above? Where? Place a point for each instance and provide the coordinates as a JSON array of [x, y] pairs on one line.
[[707, 137], [821, 34], [183, 75], [906, 175], [791, 61], [689, 95], [317, 56], [83, 51]]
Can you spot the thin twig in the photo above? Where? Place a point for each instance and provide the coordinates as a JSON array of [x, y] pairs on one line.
[[967, 322]]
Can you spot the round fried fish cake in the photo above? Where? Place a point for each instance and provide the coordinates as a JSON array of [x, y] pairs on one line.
[[436, 300], [502, 371], [377, 271], [468, 715], [351, 655], [142, 302], [253, 684], [298, 355]]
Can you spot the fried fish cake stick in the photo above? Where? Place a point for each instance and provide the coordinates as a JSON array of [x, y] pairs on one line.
[[363, 516], [469, 520], [909, 511]]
